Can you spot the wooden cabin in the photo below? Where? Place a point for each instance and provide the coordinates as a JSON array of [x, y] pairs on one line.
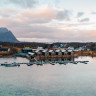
[[45, 53], [51, 53], [36, 52], [64, 52], [58, 53], [70, 52]]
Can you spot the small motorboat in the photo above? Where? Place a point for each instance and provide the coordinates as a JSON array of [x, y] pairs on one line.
[[38, 63], [29, 64], [5, 63], [74, 62], [85, 62], [52, 63], [14, 64], [62, 62]]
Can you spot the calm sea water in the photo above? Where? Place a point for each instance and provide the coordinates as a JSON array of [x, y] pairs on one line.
[[48, 80]]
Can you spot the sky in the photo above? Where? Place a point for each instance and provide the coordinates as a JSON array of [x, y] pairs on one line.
[[50, 20]]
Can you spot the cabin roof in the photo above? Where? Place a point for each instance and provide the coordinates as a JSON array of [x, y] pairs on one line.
[[63, 50], [57, 51], [50, 50], [44, 51], [70, 51]]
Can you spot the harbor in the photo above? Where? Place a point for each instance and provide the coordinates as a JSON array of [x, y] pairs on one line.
[[47, 48], [54, 61]]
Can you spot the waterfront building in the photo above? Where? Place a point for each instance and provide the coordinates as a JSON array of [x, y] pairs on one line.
[[64, 52], [44, 53], [71, 48], [70, 52], [58, 52], [51, 52]]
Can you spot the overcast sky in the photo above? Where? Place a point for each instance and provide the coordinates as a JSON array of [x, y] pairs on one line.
[[50, 20]]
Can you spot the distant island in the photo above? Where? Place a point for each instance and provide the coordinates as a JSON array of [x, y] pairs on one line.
[[6, 35]]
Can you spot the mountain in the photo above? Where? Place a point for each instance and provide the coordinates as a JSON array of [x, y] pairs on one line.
[[6, 35]]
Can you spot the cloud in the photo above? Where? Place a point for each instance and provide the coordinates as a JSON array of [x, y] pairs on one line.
[[28, 16], [78, 24], [24, 3], [63, 15], [79, 14], [50, 34], [34, 15], [23, 26], [43, 15], [93, 13], [43, 32], [18, 3], [37, 15], [84, 20], [39, 32], [8, 12], [28, 19]]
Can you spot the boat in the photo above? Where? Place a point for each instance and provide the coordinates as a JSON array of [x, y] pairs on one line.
[[29, 64], [6, 64], [61, 62], [85, 62], [38, 63], [52, 63], [74, 62], [15, 64]]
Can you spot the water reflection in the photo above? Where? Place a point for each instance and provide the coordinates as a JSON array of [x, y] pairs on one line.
[[41, 62], [48, 80]]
